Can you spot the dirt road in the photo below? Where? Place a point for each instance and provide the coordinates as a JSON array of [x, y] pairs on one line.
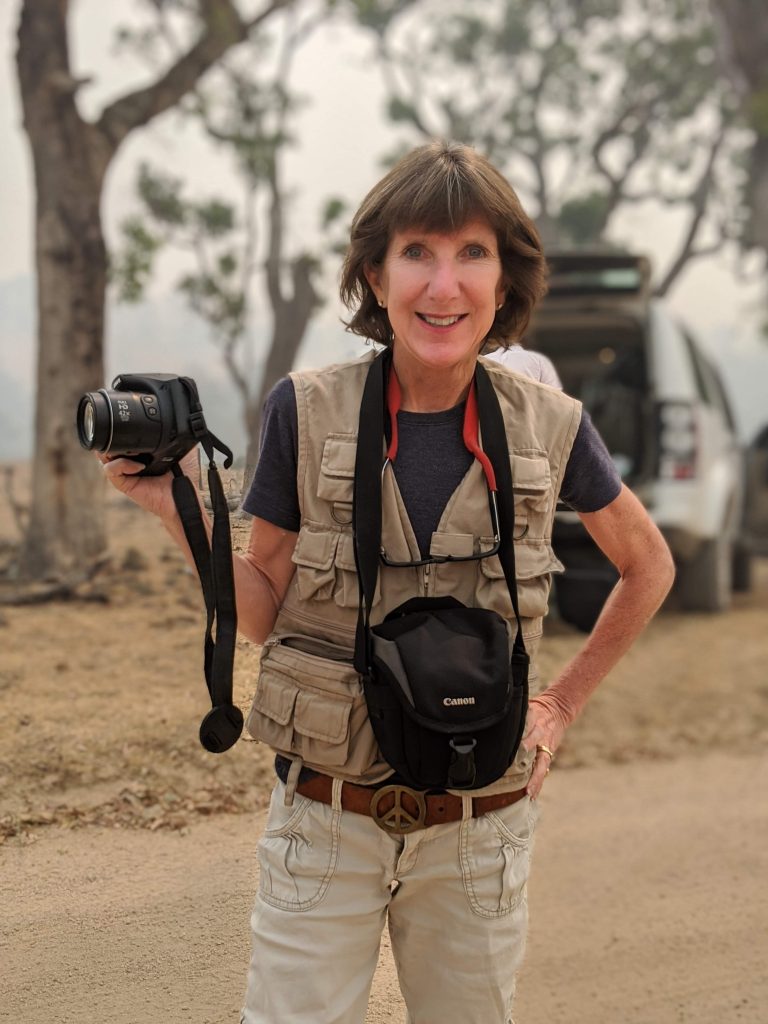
[[127, 862], [648, 901]]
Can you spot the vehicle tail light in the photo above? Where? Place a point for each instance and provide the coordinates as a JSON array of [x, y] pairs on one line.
[[678, 441]]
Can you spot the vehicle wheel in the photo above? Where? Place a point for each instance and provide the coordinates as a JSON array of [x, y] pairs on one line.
[[704, 582], [580, 599], [741, 570]]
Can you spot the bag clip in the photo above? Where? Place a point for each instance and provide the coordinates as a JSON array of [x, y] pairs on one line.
[[462, 770]]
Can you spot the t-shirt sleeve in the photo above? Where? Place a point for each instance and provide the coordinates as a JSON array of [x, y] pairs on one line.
[[591, 480], [547, 372], [273, 494]]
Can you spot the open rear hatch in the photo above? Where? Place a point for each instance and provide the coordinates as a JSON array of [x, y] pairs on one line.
[[593, 325]]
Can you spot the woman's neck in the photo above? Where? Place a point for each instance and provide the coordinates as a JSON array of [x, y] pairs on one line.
[[427, 389]]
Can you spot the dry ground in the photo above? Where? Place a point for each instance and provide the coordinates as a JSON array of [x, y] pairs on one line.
[[649, 890]]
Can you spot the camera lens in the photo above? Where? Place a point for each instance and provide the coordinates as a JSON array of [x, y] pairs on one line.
[[94, 421], [89, 422]]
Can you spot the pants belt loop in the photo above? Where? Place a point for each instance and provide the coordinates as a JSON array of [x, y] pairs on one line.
[[466, 807], [336, 794], [292, 781]]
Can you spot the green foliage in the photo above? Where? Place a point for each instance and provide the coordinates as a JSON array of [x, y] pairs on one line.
[[214, 217], [334, 209], [582, 219], [377, 15], [227, 264], [131, 268], [622, 93], [758, 112], [223, 307], [161, 195], [398, 110], [168, 217]]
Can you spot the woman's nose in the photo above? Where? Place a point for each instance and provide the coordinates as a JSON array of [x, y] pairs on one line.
[[444, 279]]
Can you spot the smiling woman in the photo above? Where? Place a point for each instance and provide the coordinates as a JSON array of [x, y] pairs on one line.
[[409, 797]]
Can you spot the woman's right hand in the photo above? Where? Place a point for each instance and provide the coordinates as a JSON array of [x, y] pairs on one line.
[[153, 493]]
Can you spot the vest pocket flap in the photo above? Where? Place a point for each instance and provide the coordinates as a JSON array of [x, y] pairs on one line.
[[337, 469], [530, 560], [315, 549], [322, 717], [530, 475], [275, 697], [345, 554], [460, 545]]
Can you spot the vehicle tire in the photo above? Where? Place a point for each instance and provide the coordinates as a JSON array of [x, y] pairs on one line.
[[704, 582], [742, 570], [580, 597]]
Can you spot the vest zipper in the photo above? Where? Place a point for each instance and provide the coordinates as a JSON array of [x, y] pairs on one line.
[[427, 569]]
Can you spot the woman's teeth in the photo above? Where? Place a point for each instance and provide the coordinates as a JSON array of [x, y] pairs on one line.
[[441, 321]]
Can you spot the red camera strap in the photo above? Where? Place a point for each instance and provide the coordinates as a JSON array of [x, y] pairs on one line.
[[470, 430]]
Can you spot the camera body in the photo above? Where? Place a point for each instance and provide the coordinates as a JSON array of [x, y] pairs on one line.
[[154, 418]]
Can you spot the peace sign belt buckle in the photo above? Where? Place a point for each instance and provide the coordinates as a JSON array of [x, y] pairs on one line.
[[399, 810]]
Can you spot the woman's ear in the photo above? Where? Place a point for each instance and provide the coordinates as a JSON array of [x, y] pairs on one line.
[[373, 277]]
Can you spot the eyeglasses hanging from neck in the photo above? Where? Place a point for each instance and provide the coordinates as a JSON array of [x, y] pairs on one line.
[[471, 438]]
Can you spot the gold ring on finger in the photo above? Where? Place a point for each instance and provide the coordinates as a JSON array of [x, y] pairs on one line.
[[545, 750]]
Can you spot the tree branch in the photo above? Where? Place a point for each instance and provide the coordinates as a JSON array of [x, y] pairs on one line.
[[275, 241], [388, 62], [222, 28], [699, 198]]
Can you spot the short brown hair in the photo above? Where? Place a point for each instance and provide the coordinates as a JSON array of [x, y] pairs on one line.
[[440, 187]]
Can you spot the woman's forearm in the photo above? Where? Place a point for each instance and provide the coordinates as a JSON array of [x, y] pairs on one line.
[[630, 607], [261, 573]]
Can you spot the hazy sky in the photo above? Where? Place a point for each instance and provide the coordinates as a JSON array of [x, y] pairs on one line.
[[342, 137]]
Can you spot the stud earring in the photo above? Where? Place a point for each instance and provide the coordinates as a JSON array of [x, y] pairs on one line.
[[500, 305], [381, 303]]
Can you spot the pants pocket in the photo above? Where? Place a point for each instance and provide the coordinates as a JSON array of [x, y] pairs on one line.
[[298, 852], [495, 852]]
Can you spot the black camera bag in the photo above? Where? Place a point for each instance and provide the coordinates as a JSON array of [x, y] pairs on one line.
[[446, 696]]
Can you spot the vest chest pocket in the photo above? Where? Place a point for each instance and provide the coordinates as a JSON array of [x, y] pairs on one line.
[[535, 561], [314, 557], [337, 473], [309, 703], [325, 567], [532, 484]]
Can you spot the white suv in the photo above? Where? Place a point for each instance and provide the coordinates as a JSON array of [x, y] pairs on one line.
[[661, 408]]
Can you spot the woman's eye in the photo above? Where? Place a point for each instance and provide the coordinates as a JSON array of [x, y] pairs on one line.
[[476, 252], [413, 252]]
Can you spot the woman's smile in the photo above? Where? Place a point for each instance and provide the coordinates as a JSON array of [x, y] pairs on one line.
[[441, 321]]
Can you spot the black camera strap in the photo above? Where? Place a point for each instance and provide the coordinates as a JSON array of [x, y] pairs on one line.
[[223, 724]]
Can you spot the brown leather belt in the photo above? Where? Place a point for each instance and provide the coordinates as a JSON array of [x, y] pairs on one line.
[[399, 809]]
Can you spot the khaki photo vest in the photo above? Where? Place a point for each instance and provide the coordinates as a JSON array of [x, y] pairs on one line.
[[309, 701]]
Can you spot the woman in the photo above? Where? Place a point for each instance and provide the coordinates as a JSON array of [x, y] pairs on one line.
[[442, 258]]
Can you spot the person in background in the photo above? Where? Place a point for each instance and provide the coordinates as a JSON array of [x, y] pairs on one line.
[[522, 360]]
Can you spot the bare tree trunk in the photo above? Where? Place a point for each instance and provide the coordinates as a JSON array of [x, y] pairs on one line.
[[64, 531], [290, 325]]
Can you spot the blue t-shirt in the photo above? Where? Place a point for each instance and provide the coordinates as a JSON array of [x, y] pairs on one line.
[[431, 462]]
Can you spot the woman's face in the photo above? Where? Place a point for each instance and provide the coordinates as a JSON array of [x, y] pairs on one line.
[[440, 292]]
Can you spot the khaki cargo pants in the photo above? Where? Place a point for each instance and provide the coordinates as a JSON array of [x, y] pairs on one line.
[[454, 896]]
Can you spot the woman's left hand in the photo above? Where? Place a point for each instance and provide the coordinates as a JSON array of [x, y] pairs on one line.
[[544, 732]]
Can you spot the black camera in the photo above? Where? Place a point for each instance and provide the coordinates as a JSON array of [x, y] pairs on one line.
[[154, 418]]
